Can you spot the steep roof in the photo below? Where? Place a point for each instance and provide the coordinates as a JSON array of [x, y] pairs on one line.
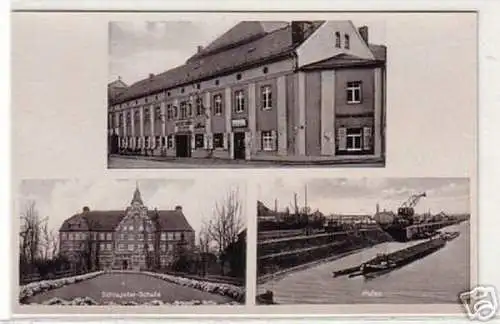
[[173, 220], [108, 220], [347, 60], [261, 43]]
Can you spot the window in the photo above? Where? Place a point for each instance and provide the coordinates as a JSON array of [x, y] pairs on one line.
[[218, 140], [354, 139], [121, 247], [199, 106], [182, 90], [198, 86], [170, 112], [198, 141], [182, 236], [137, 116], [120, 120], [141, 228], [163, 141], [163, 236], [151, 247], [109, 237], [157, 113], [129, 117], [217, 104], [176, 111], [64, 236], [170, 235], [140, 236], [158, 141], [238, 76], [265, 70], [347, 44], [131, 228], [102, 246], [168, 94], [239, 101], [268, 140], [170, 141], [102, 236], [122, 236], [216, 82], [164, 248], [353, 92], [183, 110], [131, 237], [337, 40], [131, 247], [190, 108], [266, 97], [108, 246], [146, 115]]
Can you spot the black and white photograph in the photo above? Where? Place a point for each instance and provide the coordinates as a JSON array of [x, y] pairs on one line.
[[131, 242], [363, 241], [228, 93]]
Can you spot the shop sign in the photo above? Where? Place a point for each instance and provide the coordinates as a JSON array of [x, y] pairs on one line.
[[239, 122]]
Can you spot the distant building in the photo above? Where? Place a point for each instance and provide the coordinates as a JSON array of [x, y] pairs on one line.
[[134, 238], [263, 90]]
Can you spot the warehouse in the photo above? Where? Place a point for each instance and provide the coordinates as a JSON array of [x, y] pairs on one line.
[[261, 91]]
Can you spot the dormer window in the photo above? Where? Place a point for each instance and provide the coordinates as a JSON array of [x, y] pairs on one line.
[[347, 43], [238, 76], [337, 40]]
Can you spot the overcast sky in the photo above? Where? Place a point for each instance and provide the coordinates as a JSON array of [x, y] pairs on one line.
[[360, 196], [138, 48], [60, 199]]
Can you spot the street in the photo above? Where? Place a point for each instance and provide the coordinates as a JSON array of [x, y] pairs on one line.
[[124, 287], [118, 162]]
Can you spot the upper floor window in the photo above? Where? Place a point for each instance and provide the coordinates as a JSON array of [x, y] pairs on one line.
[[170, 112], [109, 237], [146, 115], [239, 101], [217, 104], [266, 97], [183, 109], [102, 236], [131, 247], [353, 92], [120, 119], [170, 235], [337, 40], [190, 108], [129, 117], [163, 236], [137, 116], [347, 43], [131, 228], [63, 236], [199, 106], [157, 113]]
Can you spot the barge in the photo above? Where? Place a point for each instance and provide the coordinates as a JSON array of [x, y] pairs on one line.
[[385, 263]]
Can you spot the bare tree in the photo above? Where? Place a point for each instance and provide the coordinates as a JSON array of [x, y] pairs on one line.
[[204, 247], [31, 233], [227, 222]]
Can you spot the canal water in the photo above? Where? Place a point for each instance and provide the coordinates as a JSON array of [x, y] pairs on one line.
[[437, 278]]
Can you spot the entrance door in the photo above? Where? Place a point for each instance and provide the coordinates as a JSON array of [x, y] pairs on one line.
[[125, 264], [239, 146], [182, 146]]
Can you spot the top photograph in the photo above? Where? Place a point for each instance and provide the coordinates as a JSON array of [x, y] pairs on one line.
[[246, 94]]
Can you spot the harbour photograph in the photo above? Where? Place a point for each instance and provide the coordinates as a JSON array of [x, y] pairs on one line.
[[363, 241]]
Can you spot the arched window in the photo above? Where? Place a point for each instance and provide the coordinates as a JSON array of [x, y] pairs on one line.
[[337, 39], [347, 44]]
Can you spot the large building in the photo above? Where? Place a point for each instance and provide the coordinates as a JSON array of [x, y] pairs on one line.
[[262, 91], [134, 238]]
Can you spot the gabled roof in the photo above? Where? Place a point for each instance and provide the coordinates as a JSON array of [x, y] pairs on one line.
[[173, 220], [108, 220], [347, 60], [257, 48]]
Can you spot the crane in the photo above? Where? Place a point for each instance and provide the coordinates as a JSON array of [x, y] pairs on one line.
[[406, 209]]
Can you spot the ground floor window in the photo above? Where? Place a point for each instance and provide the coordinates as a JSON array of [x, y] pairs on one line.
[[218, 140], [163, 142], [158, 141], [170, 141], [355, 140], [268, 139], [198, 141]]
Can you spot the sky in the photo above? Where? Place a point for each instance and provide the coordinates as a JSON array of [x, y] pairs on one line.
[[360, 196], [60, 199], [137, 48]]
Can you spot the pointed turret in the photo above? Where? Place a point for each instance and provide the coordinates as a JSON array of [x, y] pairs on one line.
[[137, 196]]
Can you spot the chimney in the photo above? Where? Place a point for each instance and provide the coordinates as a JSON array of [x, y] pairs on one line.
[[199, 49], [297, 31], [85, 209], [363, 31], [178, 208]]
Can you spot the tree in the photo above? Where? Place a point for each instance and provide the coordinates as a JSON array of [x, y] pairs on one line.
[[204, 247], [31, 234], [226, 222]]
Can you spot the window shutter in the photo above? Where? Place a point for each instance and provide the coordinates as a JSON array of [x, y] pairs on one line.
[[205, 141], [258, 140], [274, 140], [342, 134], [225, 140], [367, 138]]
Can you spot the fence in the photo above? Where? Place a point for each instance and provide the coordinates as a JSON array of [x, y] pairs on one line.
[[33, 277], [209, 278]]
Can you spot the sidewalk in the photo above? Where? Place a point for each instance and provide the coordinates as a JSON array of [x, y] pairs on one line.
[[275, 160]]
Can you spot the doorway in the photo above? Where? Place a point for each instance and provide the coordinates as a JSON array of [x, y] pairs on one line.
[[239, 146], [124, 264], [182, 145]]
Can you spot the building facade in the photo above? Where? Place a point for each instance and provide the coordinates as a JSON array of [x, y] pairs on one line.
[[262, 91], [134, 238]]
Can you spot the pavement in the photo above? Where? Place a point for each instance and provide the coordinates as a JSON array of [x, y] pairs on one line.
[[149, 162], [132, 287]]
